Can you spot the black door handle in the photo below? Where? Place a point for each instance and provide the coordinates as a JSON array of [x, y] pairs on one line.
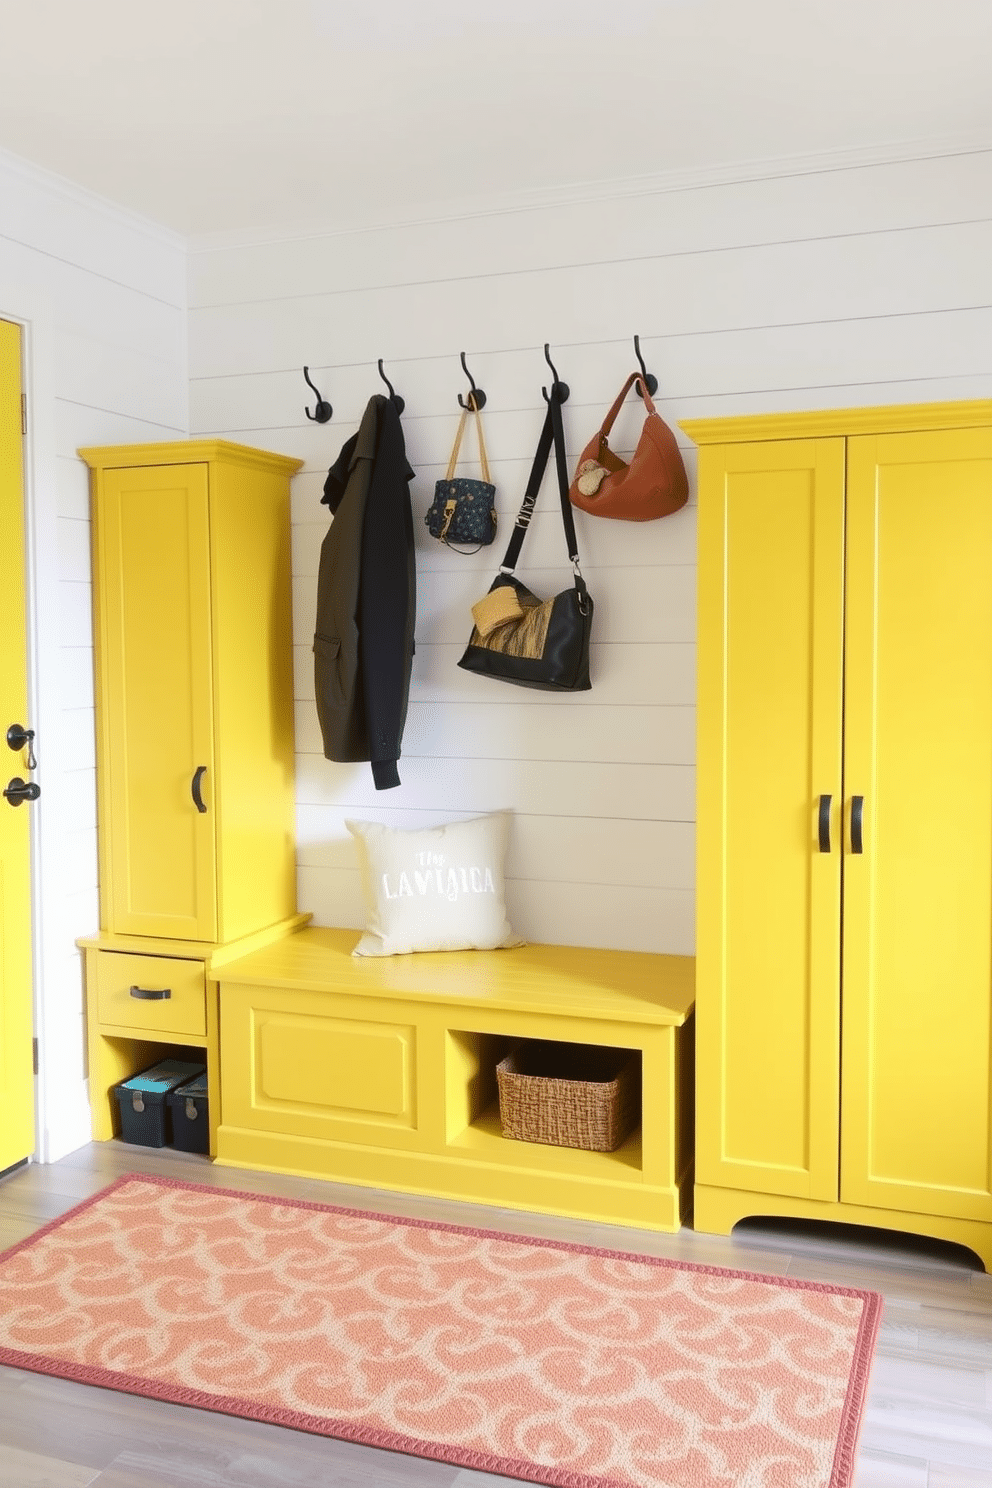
[[19, 790], [824, 823], [151, 994], [857, 824], [198, 775]]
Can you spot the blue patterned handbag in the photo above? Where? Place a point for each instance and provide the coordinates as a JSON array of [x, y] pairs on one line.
[[464, 511]]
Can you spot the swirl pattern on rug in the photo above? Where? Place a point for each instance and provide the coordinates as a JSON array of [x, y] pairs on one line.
[[544, 1360]]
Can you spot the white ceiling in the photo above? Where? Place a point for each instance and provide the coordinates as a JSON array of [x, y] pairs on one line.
[[226, 115]]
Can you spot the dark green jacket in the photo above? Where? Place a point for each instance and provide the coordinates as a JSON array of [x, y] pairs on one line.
[[367, 598]]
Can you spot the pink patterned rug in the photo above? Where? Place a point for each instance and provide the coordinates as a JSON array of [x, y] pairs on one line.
[[545, 1361]]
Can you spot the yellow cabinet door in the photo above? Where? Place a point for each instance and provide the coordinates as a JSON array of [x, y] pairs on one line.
[[771, 554], [154, 638], [917, 936]]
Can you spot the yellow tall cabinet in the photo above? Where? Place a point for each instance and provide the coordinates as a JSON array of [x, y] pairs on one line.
[[193, 640], [844, 874]]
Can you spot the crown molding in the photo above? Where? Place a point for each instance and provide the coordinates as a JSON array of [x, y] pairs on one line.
[[82, 196], [185, 452], [591, 192], [891, 418]]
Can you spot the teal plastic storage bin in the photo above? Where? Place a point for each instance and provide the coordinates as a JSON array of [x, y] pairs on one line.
[[142, 1101]]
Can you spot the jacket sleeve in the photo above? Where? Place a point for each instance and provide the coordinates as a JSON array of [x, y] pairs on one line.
[[388, 600]]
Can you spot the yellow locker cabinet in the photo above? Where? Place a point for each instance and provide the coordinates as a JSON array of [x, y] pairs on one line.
[[844, 880], [195, 741], [193, 632]]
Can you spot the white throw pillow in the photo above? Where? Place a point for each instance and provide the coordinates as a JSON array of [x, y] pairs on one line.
[[439, 889]]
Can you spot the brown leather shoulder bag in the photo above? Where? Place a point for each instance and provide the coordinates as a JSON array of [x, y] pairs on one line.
[[654, 484]]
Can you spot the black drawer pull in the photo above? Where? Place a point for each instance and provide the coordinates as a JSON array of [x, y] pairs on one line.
[[194, 788], [823, 823], [857, 824], [152, 994]]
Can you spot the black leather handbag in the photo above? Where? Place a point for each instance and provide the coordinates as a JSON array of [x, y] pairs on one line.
[[518, 637], [464, 510]]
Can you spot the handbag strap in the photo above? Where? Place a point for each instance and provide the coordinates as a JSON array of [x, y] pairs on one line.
[[610, 419], [458, 440], [552, 433]]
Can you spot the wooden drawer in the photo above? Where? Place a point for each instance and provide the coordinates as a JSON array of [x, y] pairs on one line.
[[174, 1000]]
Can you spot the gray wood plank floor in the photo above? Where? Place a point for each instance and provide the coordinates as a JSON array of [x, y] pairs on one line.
[[928, 1422]]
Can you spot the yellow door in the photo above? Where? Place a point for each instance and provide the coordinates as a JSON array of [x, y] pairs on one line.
[[156, 752], [771, 549], [16, 1023], [918, 898]]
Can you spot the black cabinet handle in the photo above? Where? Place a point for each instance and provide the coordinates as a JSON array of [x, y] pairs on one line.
[[151, 994], [824, 823], [198, 775], [857, 824]]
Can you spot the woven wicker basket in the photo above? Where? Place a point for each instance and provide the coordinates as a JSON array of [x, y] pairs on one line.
[[569, 1095]]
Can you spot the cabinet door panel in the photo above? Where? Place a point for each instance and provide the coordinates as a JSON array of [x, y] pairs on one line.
[[154, 555], [308, 1067], [771, 539], [918, 901]]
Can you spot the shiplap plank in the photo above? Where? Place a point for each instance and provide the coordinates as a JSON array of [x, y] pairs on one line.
[[645, 735], [78, 861], [631, 605], [928, 270], [546, 786], [73, 538], [142, 385], [75, 613], [100, 308], [72, 489], [77, 743], [75, 671], [870, 199], [624, 675], [76, 914], [78, 803], [602, 544], [66, 227], [80, 424], [652, 854], [563, 912]]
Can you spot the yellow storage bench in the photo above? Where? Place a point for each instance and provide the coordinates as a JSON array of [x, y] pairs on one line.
[[382, 1071]]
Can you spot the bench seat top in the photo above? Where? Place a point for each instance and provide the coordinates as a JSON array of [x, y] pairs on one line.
[[625, 986]]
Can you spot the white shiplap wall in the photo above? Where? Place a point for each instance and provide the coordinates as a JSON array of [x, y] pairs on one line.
[[821, 288], [102, 298]]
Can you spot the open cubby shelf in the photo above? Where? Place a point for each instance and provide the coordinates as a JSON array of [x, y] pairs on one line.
[[472, 1059]]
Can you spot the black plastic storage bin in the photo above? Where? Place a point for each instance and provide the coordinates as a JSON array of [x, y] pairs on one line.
[[189, 1108], [142, 1101]]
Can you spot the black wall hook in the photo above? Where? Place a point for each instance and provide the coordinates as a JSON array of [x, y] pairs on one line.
[[398, 403], [650, 381], [324, 412], [477, 396], [559, 390]]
